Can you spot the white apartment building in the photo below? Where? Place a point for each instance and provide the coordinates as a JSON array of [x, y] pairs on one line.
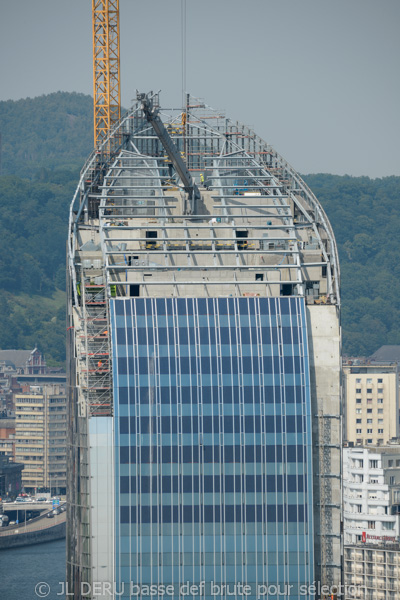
[[371, 411], [371, 494], [371, 521]]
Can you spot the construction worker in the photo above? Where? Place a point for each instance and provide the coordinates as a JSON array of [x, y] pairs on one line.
[[99, 364], [202, 179]]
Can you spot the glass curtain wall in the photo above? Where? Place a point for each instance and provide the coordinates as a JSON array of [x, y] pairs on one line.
[[212, 446]]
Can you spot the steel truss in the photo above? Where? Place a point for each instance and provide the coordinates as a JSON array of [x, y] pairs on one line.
[[106, 68]]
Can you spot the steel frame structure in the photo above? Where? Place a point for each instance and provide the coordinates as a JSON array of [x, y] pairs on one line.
[[223, 150]]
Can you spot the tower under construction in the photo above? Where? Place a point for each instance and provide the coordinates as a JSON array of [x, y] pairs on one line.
[[204, 366]]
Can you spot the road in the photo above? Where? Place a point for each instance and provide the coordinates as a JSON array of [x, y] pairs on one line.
[[37, 524]]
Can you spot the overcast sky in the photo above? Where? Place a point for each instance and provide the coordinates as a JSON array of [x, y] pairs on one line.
[[317, 79]]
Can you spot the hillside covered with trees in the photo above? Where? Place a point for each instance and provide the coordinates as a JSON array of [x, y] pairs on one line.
[[33, 232], [45, 133], [365, 216], [45, 143]]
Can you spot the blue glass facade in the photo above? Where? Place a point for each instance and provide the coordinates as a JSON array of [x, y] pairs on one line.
[[213, 456]]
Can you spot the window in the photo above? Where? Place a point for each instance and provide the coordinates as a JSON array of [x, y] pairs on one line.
[[359, 441], [380, 390], [369, 430], [369, 390], [358, 421], [369, 441], [380, 430], [369, 380], [373, 480], [358, 411], [369, 410], [388, 526], [242, 245], [397, 462], [369, 421], [373, 464], [392, 480], [358, 380], [380, 380], [380, 400], [358, 430], [371, 524], [151, 235], [358, 400], [369, 400], [380, 411], [390, 463], [358, 508], [380, 421], [358, 391]]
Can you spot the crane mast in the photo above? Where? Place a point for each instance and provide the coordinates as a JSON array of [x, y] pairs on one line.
[[106, 67]]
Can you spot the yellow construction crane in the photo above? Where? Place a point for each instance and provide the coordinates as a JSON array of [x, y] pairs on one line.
[[106, 65]]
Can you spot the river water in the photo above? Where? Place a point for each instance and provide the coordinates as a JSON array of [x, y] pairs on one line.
[[33, 572]]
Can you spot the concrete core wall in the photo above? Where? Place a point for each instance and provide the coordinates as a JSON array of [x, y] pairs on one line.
[[325, 373]]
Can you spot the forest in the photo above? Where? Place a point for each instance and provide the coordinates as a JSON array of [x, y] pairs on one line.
[[365, 216], [45, 142]]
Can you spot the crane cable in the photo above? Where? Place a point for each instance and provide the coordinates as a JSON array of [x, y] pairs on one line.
[[183, 49]]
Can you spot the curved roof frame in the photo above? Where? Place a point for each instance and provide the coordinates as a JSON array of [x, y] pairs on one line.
[[215, 138]]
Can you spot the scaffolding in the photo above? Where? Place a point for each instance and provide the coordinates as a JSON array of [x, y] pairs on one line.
[[326, 505], [96, 381]]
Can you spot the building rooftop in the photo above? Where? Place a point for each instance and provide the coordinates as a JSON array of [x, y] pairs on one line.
[[367, 366], [16, 358], [373, 449], [386, 354]]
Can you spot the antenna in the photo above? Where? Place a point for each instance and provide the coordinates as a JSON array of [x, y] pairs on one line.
[[183, 49]]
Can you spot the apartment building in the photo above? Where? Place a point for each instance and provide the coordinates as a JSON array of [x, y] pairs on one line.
[[371, 522], [372, 572], [371, 493], [371, 403], [40, 433]]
